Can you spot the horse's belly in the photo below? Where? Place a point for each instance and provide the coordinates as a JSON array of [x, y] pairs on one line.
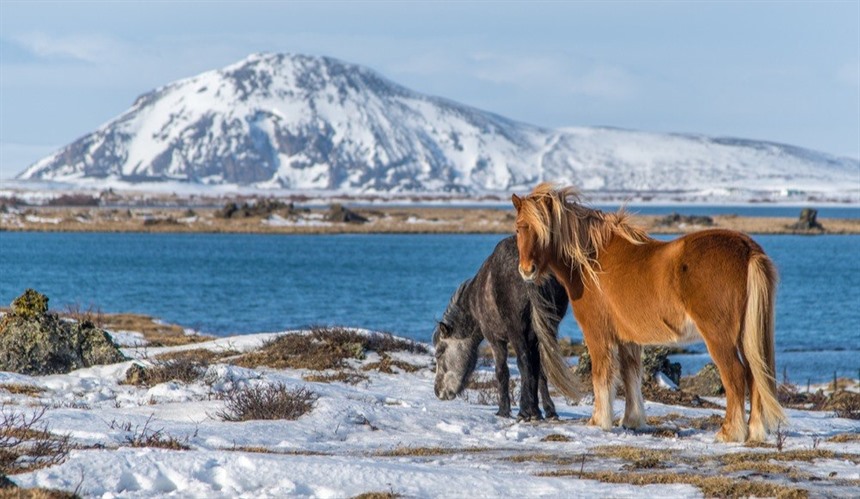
[[662, 333]]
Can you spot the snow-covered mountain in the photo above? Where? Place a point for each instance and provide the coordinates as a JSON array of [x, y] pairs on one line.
[[298, 122]]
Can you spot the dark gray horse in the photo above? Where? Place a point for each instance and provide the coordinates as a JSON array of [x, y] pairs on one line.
[[499, 306]]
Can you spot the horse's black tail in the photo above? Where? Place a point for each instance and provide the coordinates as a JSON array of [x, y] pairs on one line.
[[545, 324]]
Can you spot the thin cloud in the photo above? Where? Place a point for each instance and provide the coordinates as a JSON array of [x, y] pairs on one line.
[[83, 48], [566, 75]]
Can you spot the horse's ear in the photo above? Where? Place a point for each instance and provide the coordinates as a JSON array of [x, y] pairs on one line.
[[518, 202], [444, 330]]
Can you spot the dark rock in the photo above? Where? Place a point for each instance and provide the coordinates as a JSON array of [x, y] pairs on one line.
[[34, 341], [259, 208], [675, 219], [705, 383], [5, 483], [656, 360], [808, 220], [339, 213]]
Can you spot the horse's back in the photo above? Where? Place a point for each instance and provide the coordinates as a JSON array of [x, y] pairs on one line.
[[502, 299]]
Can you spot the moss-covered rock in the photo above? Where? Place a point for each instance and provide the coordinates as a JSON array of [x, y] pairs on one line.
[[705, 383], [30, 305], [37, 342]]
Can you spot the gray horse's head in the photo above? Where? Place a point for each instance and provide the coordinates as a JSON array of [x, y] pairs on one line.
[[455, 339]]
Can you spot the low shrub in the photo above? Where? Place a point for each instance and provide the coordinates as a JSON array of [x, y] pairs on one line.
[[267, 402]]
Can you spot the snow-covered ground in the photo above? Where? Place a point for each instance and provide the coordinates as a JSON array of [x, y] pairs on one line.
[[386, 434]]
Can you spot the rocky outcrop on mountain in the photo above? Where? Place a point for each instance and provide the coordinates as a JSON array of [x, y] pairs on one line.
[[299, 122], [35, 341]]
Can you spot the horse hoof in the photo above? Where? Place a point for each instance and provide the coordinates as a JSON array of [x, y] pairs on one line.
[[552, 416], [529, 417], [503, 414]]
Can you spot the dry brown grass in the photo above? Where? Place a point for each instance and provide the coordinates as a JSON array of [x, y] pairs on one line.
[[148, 437], [673, 425], [803, 455], [845, 438], [26, 444], [429, 451], [157, 334], [486, 391], [183, 369], [555, 437], [36, 493], [350, 378], [711, 486], [387, 365], [759, 467], [324, 348], [377, 495], [22, 389], [202, 356], [631, 453], [675, 397], [265, 450], [546, 458]]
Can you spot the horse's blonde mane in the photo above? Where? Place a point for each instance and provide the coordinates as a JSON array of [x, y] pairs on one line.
[[576, 232]]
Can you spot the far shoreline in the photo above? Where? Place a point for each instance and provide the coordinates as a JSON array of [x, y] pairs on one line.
[[281, 218]]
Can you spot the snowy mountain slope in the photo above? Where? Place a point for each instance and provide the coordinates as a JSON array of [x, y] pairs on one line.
[[299, 122]]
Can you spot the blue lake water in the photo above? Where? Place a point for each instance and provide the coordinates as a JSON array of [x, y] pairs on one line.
[[227, 284]]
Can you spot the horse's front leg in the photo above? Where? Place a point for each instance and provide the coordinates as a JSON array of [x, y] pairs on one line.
[[630, 357], [503, 377], [603, 378], [528, 362]]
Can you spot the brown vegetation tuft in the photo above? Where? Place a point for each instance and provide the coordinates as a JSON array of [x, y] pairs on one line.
[[156, 333], [429, 451], [377, 495], [183, 369], [324, 348], [26, 444], [22, 389], [386, 365], [555, 437], [711, 486], [844, 438], [350, 378], [267, 402]]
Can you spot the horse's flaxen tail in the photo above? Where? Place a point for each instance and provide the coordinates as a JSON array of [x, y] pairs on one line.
[[758, 336], [545, 324]]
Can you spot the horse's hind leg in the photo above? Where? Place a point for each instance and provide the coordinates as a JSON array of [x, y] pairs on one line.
[[732, 372], [548, 405], [528, 362], [630, 357], [503, 377], [757, 429]]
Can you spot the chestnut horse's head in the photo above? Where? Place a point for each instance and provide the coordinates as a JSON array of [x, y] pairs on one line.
[[532, 237]]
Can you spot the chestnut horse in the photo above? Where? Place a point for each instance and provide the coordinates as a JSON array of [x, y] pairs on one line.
[[627, 290]]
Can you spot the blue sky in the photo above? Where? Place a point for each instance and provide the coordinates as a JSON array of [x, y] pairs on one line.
[[781, 71]]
